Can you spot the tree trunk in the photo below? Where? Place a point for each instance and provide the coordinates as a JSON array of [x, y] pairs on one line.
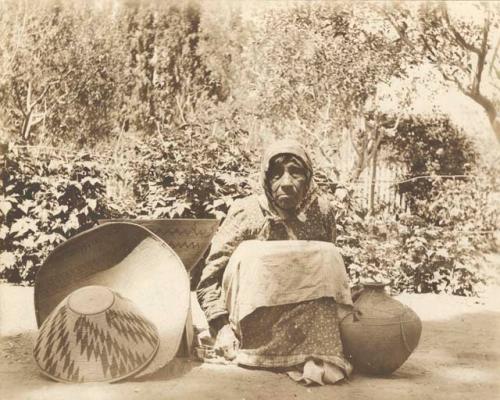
[[26, 127], [373, 181], [490, 110]]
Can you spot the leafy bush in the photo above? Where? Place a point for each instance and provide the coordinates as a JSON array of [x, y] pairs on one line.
[[46, 201], [80, 72], [417, 258], [429, 147], [60, 82], [437, 245], [49, 198], [177, 100], [190, 173], [440, 251], [165, 77]]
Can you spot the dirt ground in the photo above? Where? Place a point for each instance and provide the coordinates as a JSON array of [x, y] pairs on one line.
[[458, 358]]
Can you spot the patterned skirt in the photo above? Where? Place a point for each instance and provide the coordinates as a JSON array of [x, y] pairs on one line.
[[290, 335]]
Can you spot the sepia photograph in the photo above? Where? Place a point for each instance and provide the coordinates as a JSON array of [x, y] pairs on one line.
[[249, 200]]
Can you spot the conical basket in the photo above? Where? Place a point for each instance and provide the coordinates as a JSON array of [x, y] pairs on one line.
[[95, 335]]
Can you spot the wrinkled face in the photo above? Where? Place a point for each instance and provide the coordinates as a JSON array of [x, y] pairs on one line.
[[287, 179]]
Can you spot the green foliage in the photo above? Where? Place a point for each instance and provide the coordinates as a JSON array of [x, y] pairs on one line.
[[413, 255], [165, 75], [172, 105], [49, 198], [74, 72], [46, 201], [433, 259], [428, 148], [190, 174], [467, 207], [309, 69], [459, 40], [437, 245], [60, 80]]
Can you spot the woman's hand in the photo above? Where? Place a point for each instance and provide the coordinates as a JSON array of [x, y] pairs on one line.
[[226, 343]]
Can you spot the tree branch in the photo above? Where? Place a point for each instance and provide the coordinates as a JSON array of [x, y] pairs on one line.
[[459, 39], [25, 130], [28, 98], [453, 78], [486, 103], [401, 31], [471, 88], [42, 95], [476, 85], [351, 136], [17, 97], [428, 48]]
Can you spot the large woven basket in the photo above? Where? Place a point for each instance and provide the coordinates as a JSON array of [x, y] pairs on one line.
[[128, 259], [95, 335], [189, 238]]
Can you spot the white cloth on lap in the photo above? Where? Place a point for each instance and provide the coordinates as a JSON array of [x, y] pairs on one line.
[[271, 273]]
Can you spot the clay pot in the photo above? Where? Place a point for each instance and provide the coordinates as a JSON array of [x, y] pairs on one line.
[[380, 333]]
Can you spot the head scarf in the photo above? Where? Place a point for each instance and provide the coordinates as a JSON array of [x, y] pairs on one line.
[[272, 212]]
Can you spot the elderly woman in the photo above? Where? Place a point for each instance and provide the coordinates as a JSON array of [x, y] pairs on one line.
[[300, 337]]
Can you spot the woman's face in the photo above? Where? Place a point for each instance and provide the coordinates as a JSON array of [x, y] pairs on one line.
[[287, 179]]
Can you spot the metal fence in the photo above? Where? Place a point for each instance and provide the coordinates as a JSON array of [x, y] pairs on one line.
[[385, 190]]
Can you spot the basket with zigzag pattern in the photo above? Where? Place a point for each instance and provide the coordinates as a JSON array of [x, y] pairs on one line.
[[95, 335], [128, 259]]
